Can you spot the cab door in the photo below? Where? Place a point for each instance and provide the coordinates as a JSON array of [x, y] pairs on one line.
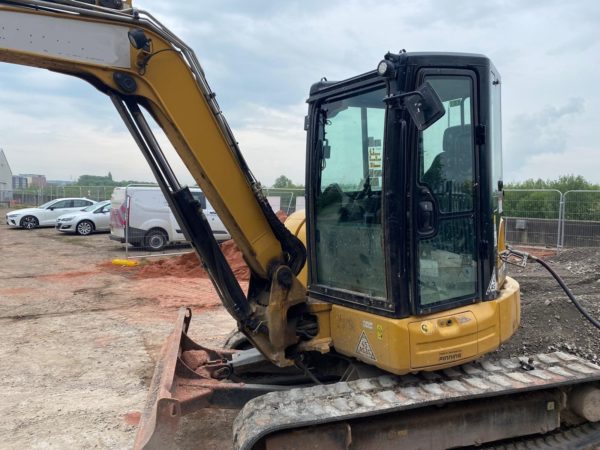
[[445, 198]]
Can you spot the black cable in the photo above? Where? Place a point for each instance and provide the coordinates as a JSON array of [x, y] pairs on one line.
[[562, 284]]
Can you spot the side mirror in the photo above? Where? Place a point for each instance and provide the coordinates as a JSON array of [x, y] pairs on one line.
[[424, 106], [51, 208]]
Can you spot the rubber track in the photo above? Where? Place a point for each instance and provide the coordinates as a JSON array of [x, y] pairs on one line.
[[584, 437], [302, 407]]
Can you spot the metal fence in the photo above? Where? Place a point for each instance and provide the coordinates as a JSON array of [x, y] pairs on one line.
[[287, 200], [550, 218], [39, 195], [581, 219], [535, 217]]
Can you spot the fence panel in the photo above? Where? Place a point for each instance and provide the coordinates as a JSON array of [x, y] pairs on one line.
[[36, 196], [581, 219], [533, 217], [290, 200]]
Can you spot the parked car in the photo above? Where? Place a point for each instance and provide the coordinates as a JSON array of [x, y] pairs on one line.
[[46, 214], [151, 222], [94, 218]]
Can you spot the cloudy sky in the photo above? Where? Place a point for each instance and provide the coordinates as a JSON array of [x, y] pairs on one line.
[[261, 57]]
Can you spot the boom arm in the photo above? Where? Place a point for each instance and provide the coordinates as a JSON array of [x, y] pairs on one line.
[[131, 57]]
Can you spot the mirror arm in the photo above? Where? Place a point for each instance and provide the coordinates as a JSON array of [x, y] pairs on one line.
[[396, 97]]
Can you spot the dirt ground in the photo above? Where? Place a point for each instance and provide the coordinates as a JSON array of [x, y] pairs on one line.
[[79, 336]]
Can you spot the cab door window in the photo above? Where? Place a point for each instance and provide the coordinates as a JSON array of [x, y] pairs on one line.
[[349, 232], [447, 262]]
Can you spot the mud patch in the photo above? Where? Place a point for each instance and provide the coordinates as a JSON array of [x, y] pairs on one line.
[[132, 418], [15, 291], [64, 276], [190, 266]]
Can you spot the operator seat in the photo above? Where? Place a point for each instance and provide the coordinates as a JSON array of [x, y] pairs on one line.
[[453, 167]]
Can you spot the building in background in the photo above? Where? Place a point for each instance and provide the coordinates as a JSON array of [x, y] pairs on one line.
[[5, 179], [19, 182], [35, 180]]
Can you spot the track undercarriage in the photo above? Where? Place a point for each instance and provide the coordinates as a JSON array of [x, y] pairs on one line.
[[333, 402]]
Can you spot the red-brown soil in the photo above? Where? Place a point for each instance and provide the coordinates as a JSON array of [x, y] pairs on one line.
[[189, 266]]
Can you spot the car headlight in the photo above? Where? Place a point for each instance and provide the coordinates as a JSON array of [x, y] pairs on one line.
[[12, 216], [66, 219]]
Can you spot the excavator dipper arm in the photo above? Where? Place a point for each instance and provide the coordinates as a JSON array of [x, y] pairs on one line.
[[141, 65]]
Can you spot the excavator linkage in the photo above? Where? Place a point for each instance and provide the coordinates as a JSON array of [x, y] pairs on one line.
[[189, 377], [479, 402]]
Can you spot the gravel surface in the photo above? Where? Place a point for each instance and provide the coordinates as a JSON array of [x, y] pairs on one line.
[[549, 320], [80, 337]]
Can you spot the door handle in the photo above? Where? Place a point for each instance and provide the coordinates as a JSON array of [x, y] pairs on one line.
[[426, 217]]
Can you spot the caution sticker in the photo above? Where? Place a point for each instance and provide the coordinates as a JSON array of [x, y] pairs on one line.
[[364, 348]]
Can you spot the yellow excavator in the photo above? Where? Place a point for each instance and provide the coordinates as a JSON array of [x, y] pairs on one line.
[[366, 316]]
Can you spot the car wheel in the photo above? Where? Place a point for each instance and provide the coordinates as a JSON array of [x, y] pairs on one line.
[[29, 222], [84, 228], [156, 240]]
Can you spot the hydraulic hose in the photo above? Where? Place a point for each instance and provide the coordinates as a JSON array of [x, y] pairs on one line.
[[562, 284], [524, 256]]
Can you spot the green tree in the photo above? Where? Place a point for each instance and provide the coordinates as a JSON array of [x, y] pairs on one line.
[[563, 184], [95, 180], [283, 182]]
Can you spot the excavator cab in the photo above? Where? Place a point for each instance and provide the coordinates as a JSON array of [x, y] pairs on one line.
[[377, 184], [402, 218]]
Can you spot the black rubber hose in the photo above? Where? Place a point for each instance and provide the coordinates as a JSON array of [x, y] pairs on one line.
[[562, 284]]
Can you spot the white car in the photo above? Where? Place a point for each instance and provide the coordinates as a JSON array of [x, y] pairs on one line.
[[95, 217], [46, 214]]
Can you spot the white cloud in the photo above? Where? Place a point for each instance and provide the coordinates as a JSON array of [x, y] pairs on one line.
[[261, 58], [273, 142]]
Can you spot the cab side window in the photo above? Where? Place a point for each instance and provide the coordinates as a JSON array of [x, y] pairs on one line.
[[62, 204]]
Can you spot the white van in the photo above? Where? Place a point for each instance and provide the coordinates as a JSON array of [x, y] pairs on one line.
[[151, 222]]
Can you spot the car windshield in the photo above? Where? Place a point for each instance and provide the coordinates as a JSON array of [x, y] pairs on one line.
[[99, 206], [92, 207]]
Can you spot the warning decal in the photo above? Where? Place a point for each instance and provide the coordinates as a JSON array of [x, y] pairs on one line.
[[364, 348]]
